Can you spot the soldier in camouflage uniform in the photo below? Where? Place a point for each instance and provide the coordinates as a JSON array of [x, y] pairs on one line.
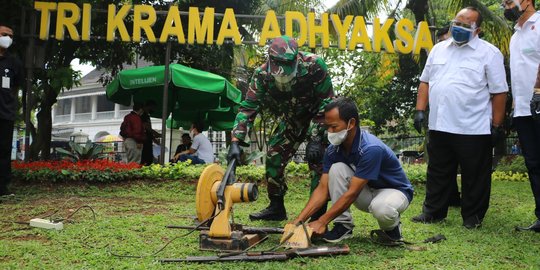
[[294, 87]]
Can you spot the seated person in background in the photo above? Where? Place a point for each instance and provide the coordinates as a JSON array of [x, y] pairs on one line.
[[185, 145], [200, 151]]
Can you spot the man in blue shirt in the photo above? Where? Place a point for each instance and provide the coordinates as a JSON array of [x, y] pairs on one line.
[[358, 169]]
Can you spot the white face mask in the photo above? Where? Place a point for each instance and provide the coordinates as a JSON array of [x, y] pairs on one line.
[[192, 133], [337, 138], [5, 42]]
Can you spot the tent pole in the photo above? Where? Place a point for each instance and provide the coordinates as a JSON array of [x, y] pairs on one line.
[[165, 103], [172, 122]]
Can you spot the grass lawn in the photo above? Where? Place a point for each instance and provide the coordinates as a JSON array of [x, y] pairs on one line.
[[131, 219]]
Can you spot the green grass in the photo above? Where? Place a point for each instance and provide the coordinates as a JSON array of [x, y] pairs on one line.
[[131, 219]]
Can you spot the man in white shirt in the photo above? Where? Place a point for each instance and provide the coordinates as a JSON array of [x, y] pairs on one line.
[[524, 69], [200, 151], [465, 82]]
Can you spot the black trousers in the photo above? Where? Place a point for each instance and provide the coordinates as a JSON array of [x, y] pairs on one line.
[[6, 137], [473, 153], [147, 156], [529, 137]]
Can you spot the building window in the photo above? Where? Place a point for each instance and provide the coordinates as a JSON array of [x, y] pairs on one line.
[[104, 105], [83, 105], [63, 107]]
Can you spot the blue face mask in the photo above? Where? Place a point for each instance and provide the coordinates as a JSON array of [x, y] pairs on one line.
[[461, 35]]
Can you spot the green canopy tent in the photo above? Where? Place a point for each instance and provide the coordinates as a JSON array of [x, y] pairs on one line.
[[192, 94]]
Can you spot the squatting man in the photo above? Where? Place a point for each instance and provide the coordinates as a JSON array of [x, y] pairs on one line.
[[358, 169]]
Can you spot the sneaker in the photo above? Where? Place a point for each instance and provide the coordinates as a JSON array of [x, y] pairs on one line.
[[395, 233], [338, 233]]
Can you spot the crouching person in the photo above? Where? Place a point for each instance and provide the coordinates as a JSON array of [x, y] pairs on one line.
[[358, 169]]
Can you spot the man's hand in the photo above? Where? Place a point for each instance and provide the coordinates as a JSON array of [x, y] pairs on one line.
[[419, 117], [235, 152], [535, 105], [319, 228], [314, 151], [497, 135]]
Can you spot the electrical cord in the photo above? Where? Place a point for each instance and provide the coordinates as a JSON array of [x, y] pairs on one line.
[[166, 244], [74, 212]]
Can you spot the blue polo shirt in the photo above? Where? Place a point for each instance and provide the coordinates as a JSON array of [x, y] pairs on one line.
[[372, 160]]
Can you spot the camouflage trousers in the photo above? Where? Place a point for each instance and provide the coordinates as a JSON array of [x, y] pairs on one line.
[[282, 146]]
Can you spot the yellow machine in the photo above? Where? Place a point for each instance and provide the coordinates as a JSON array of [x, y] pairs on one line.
[[216, 194]]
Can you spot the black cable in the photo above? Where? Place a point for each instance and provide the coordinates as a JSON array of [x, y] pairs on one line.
[[77, 210], [166, 244]]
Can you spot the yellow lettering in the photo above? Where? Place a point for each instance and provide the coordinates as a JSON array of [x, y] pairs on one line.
[[229, 28], [422, 39], [381, 37], [270, 28], [45, 20], [116, 21], [173, 26], [359, 35], [404, 40], [341, 29], [322, 29], [86, 22], [143, 24], [67, 22], [290, 18], [201, 30]]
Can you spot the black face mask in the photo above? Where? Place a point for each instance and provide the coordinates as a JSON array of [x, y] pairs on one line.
[[513, 14]]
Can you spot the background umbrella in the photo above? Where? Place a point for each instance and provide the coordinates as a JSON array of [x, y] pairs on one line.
[[221, 119], [191, 89], [110, 138]]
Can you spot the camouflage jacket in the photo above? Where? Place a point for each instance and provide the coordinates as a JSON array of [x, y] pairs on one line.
[[304, 102]]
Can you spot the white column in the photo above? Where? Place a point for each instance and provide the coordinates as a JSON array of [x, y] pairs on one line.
[[93, 102], [53, 112], [116, 110], [73, 109]]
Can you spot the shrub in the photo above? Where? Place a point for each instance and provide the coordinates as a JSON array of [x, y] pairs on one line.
[[417, 173], [509, 176], [513, 164], [82, 170]]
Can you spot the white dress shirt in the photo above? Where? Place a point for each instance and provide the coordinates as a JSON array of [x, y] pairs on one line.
[[524, 60], [461, 80]]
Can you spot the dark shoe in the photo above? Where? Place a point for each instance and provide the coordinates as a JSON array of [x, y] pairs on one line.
[[425, 218], [533, 227], [4, 191], [395, 233], [275, 211], [472, 223], [338, 233]]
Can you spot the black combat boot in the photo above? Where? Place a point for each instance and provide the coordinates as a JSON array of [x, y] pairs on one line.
[[275, 211]]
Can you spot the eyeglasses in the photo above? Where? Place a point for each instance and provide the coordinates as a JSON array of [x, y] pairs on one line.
[[464, 25]]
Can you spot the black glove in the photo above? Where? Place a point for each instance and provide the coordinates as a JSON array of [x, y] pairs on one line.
[[419, 117], [497, 135], [314, 151], [235, 152], [535, 106]]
